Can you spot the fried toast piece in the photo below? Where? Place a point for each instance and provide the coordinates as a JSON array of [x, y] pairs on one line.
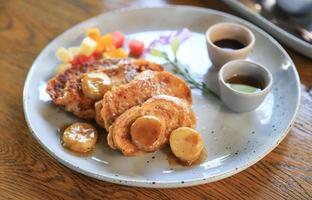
[[98, 118], [173, 111], [65, 88], [144, 86]]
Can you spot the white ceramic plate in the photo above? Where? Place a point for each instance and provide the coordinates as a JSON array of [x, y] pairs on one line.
[[233, 141]]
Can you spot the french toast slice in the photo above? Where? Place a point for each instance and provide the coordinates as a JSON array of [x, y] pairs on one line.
[[144, 86], [172, 111], [65, 88]]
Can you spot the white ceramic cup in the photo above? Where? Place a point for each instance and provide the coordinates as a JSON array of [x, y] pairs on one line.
[[219, 56], [242, 101]]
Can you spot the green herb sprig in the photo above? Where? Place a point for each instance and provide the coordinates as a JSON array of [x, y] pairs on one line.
[[177, 69]]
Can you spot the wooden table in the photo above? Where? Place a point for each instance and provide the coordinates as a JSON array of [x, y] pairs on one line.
[[28, 172]]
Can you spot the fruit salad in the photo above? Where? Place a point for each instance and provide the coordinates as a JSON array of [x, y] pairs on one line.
[[96, 46]]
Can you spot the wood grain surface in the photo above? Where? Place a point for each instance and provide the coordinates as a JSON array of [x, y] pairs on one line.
[[28, 172]]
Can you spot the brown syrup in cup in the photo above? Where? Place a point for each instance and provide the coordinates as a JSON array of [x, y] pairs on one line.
[[229, 44]]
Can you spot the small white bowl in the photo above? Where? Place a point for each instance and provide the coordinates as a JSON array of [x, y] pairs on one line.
[[219, 56], [242, 101]]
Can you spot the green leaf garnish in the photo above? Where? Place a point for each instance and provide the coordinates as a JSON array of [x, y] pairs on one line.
[[175, 43], [182, 71], [157, 53]]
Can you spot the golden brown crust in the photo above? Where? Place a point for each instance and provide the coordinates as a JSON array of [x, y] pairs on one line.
[[98, 118], [146, 85], [65, 88], [175, 112], [120, 132]]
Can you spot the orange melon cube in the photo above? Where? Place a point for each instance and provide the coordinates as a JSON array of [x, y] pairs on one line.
[[109, 47], [115, 53], [94, 33], [99, 48], [107, 42]]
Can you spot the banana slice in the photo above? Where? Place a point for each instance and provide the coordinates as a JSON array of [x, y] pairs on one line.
[[186, 144], [147, 133], [95, 84], [80, 137]]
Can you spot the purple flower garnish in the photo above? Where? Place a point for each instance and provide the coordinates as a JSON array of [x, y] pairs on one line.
[[175, 40], [182, 35]]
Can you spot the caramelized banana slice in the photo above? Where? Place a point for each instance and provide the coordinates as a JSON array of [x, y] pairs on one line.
[[147, 133], [95, 84], [186, 144], [80, 137]]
